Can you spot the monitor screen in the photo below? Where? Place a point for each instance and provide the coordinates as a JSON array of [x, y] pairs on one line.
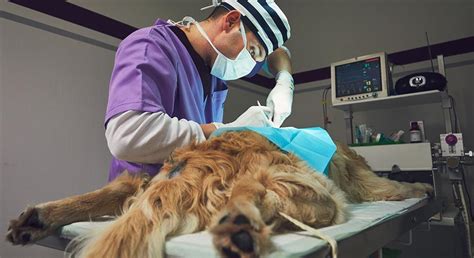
[[358, 77]]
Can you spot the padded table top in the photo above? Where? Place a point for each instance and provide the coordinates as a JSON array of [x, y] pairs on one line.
[[297, 244]]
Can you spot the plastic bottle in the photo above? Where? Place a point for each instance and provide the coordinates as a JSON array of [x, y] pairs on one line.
[[415, 133]]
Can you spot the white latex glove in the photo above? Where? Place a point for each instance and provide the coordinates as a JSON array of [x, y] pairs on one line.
[[280, 98], [254, 116]]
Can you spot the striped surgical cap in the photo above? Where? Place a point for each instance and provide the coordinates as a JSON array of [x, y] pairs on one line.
[[264, 18]]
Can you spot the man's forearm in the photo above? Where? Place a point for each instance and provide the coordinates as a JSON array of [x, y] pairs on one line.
[[278, 61], [146, 137], [280, 98]]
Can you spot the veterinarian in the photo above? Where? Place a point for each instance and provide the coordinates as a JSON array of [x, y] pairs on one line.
[[168, 82]]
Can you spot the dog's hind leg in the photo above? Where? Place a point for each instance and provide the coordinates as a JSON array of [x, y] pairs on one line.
[[351, 173], [43, 219], [244, 226]]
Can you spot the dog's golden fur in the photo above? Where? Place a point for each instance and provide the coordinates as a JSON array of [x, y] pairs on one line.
[[234, 185]]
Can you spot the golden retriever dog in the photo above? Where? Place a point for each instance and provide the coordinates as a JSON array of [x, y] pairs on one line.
[[233, 185]]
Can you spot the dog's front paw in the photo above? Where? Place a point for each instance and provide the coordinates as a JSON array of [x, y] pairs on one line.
[[241, 232], [419, 190], [429, 190], [28, 227]]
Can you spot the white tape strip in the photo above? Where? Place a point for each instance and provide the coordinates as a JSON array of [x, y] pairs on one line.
[[332, 242]]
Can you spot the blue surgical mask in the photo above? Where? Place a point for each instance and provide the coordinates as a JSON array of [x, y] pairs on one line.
[[228, 69]]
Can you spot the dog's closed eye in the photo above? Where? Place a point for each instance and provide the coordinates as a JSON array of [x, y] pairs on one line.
[[176, 170]]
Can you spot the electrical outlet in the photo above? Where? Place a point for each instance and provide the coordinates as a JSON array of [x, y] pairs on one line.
[[452, 145]]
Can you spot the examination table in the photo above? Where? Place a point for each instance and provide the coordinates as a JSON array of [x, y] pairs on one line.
[[372, 225]]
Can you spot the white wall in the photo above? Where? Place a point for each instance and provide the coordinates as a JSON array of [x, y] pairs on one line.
[[1, 130], [53, 94], [327, 31]]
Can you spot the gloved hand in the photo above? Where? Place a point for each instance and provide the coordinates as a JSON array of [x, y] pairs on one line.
[[254, 116], [280, 98]]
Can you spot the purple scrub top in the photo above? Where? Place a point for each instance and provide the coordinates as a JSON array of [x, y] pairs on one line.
[[154, 72]]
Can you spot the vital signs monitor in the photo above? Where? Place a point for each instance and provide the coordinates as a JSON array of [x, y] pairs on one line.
[[360, 78]]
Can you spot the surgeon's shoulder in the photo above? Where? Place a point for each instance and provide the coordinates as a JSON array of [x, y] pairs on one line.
[[153, 36]]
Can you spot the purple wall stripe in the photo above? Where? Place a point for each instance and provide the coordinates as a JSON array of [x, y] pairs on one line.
[[448, 48], [313, 75], [261, 80], [63, 10], [78, 15]]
